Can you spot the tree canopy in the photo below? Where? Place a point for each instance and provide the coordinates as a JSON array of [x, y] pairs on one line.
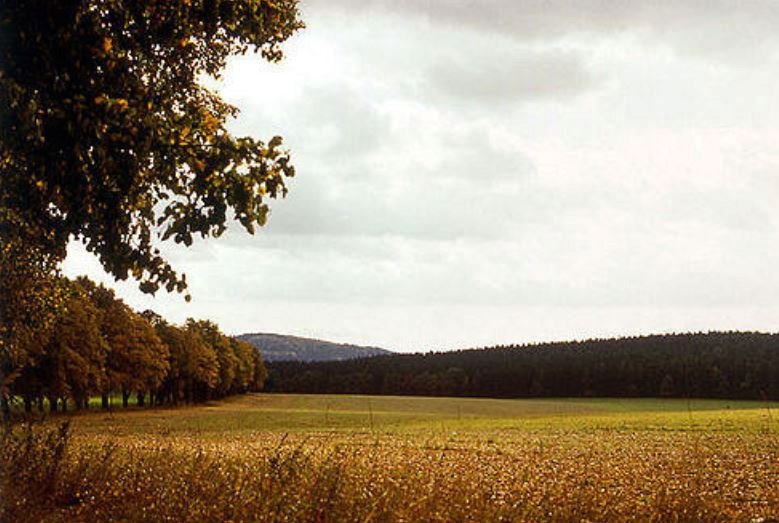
[[109, 136]]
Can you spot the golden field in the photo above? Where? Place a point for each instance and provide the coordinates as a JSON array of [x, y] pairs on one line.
[[266, 457]]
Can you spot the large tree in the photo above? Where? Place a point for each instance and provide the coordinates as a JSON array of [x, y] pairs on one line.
[[109, 136], [31, 296]]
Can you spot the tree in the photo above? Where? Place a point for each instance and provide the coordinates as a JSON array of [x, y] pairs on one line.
[[108, 135], [149, 359], [74, 359], [175, 385], [220, 344], [247, 365], [116, 327], [201, 367], [99, 345], [137, 359], [260, 371], [31, 296]]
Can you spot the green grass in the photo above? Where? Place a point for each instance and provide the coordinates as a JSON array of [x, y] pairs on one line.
[[95, 402], [391, 414]]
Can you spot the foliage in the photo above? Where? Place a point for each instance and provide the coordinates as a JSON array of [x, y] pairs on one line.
[[108, 134], [717, 365], [149, 359], [73, 364], [118, 330], [202, 364], [251, 369], [227, 362], [30, 297], [100, 346]]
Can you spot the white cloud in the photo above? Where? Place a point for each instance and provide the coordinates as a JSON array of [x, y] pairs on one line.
[[502, 172]]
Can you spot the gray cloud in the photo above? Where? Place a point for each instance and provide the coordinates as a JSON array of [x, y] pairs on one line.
[[509, 77], [473, 189], [722, 28], [333, 118]]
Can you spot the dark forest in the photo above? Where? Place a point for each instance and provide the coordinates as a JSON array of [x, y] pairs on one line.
[[742, 365]]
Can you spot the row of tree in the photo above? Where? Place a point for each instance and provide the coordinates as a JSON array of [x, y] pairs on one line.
[[99, 346], [715, 365]]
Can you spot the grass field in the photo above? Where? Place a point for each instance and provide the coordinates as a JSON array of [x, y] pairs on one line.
[[359, 458]]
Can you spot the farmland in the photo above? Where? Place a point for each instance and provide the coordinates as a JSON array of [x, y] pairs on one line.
[[368, 458]]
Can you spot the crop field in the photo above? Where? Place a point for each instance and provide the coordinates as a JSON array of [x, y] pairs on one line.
[[274, 457]]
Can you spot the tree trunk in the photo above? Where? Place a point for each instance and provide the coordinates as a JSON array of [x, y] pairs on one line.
[[28, 404], [52, 404], [125, 398], [64, 404], [5, 407], [104, 401], [141, 399], [40, 403]]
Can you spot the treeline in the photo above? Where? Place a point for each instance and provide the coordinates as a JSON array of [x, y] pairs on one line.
[[710, 365], [99, 346]]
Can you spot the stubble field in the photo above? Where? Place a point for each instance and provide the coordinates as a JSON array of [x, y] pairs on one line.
[[266, 457]]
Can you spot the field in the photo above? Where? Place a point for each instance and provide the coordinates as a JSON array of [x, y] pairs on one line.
[[358, 458]]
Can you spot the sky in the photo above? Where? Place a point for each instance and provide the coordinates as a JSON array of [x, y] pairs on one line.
[[472, 173]]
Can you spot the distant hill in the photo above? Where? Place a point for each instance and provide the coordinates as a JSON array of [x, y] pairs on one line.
[[280, 347]]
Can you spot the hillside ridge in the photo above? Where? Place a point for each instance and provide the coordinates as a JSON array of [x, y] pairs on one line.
[[285, 347]]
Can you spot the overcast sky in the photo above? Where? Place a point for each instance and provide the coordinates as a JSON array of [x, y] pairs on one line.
[[482, 172]]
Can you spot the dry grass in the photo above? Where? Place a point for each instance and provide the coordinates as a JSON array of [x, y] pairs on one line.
[[162, 470]]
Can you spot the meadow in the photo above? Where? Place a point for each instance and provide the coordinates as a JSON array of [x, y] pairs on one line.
[[278, 457]]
